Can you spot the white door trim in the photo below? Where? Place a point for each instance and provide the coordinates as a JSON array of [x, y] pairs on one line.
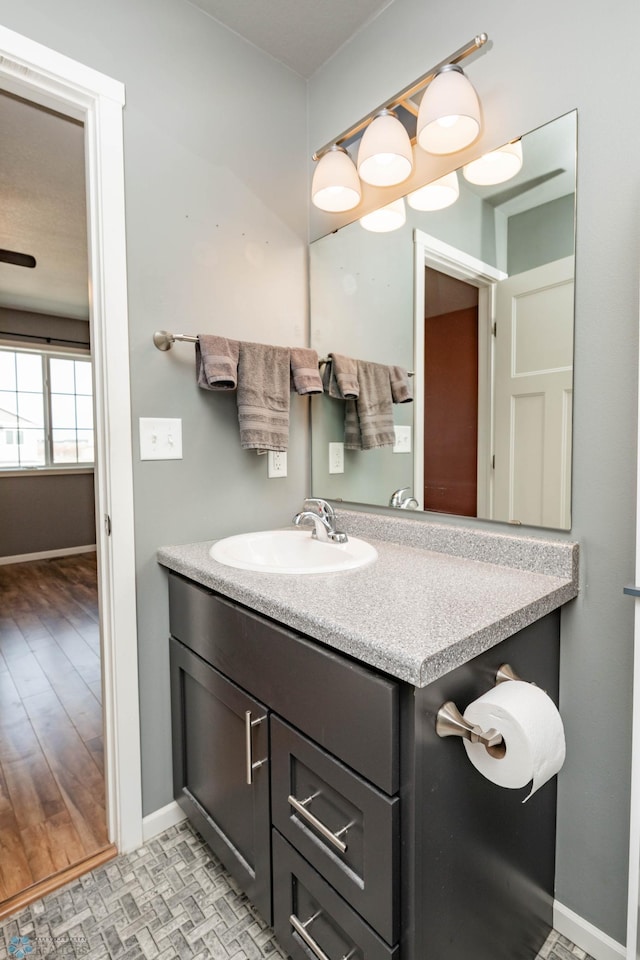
[[633, 902], [35, 72], [429, 251]]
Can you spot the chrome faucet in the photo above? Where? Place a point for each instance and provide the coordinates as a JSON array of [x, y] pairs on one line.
[[322, 515], [402, 502]]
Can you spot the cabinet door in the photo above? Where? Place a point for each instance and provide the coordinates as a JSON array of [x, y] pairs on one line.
[[220, 771]]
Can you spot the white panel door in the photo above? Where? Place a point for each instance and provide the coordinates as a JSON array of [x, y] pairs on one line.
[[533, 382]]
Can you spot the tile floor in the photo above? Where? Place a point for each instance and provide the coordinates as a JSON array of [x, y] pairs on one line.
[[169, 899]]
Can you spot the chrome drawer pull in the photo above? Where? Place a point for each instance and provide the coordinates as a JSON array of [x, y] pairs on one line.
[[251, 766], [301, 809], [301, 929]]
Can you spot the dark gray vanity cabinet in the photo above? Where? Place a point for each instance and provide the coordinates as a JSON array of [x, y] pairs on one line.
[[362, 834]]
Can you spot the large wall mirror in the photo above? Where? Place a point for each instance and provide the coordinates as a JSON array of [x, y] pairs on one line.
[[476, 300]]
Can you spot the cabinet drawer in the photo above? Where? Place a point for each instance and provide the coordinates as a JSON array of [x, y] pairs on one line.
[[342, 825], [347, 708], [303, 899]]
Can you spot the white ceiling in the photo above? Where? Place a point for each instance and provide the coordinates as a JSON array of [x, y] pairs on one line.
[[42, 198], [303, 34]]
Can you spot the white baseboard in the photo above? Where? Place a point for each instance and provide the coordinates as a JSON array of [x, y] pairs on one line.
[[160, 820], [596, 943], [48, 554]]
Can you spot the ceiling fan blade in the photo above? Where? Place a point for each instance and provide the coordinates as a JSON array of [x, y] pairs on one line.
[[17, 259]]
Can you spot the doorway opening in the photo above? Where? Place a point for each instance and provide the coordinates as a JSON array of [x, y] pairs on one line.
[[454, 303], [33, 72], [451, 395], [51, 725]]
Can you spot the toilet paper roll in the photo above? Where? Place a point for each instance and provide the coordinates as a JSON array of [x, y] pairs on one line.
[[531, 728]]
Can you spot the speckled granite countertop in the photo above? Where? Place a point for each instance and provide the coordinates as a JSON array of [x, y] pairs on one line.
[[437, 596]]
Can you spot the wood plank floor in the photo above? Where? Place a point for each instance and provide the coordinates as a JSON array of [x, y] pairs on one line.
[[52, 792]]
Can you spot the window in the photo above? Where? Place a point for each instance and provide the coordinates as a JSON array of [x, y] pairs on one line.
[[46, 409]]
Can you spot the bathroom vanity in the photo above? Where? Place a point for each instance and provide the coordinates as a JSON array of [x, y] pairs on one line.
[[305, 749]]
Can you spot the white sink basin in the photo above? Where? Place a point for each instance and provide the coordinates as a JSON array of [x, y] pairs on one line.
[[291, 551]]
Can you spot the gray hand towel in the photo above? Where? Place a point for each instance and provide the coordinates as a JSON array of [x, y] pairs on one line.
[[352, 435], [263, 396], [340, 377], [305, 375], [216, 362], [373, 408], [401, 387]]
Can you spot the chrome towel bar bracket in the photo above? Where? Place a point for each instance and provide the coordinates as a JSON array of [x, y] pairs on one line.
[[164, 340]]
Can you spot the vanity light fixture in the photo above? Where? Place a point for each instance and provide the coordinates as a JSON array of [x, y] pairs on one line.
[[449, 115], [495, 167], [437, 195], [335, 185], [448, 119], [385, 156], [385, 219]]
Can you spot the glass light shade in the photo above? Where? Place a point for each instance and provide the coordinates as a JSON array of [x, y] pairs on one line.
[[385, 156], [335, 186], [385, 219], [437, 195], [449, 114], [495, 167]]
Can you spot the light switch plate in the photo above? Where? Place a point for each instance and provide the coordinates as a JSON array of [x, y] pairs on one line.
[[403, 440], [160, 438]]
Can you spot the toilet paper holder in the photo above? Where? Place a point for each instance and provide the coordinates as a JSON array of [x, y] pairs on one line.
[[451, 723]]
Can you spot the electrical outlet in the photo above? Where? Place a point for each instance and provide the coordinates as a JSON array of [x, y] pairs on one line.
[[336, 458], [403, 440], [160, 438], [276, 463]]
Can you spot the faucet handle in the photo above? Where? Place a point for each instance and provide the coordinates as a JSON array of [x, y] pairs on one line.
[[316, 505]]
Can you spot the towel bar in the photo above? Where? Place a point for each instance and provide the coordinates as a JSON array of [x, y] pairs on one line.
[[164, 340], [324, 360]]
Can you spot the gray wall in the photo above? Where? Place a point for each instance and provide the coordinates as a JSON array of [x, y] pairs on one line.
[[536, 68], [542, 234], [215, 178], [40, 512]]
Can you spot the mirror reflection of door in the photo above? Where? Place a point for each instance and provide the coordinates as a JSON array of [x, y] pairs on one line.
[[533, 376], [531, 396], [451, 394]]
